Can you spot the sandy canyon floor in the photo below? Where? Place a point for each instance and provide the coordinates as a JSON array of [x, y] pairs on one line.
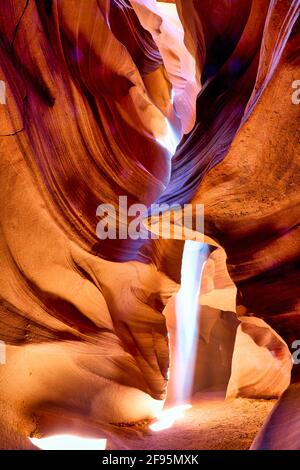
[[211, 424]]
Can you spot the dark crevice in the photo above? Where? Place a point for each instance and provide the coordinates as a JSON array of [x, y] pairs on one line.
[[17, 26]]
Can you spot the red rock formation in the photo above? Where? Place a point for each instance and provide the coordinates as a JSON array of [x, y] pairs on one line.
[[74, 130], [251, 198], [261, 362], [255, 217], [88, 99]]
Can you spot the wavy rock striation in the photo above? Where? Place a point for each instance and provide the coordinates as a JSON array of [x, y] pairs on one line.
[[93, 90]]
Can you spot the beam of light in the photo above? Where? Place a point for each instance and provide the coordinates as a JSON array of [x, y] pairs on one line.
[[68, 442], [187, 318], [172, 95], [170, 140], [167, 418]]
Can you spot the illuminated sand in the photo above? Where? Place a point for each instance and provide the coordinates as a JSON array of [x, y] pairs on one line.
[[211, 423]]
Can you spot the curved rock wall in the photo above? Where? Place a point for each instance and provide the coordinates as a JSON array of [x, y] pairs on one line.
[[92, 89]]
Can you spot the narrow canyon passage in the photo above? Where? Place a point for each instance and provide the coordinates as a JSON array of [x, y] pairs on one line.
[[149, 224]]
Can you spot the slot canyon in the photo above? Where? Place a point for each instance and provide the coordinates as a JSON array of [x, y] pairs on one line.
[[121, 323]]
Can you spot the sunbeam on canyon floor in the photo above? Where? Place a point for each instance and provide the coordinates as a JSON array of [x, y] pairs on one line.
[[68, 442]]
